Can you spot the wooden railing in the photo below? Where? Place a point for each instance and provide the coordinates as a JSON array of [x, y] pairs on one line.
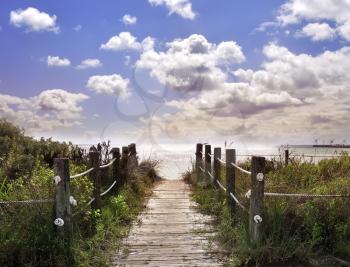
[[208, 168]]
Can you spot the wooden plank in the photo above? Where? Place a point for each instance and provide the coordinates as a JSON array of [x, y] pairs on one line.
[[170, 232]]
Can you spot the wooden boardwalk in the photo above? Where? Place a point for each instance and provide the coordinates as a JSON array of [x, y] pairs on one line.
[[170, 232]]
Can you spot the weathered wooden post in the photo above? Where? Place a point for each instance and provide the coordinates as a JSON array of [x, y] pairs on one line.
[[62, 203], [286, 157], [217, 167], [94, 162], [230, 178], [199, 161], [207, 158], [132, 161], [257, 199], [116, 169], [124, 164]]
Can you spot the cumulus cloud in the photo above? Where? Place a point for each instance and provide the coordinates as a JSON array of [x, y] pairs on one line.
[[126, 41], [51, 109], [129, 20], [90, 63], [192, 63], [318, 32], [297, 11], [293, 94], [54, 61], [33, 20], [109, 84], [180, 7], [123, 41]]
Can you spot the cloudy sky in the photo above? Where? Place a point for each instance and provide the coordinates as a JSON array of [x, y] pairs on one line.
[[177, 71]]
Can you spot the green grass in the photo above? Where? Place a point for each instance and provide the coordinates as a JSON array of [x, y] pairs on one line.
[[297, 232], [28, 236]]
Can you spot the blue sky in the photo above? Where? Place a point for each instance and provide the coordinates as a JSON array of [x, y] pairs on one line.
[[276, 62]]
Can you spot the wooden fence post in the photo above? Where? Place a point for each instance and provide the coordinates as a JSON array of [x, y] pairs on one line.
[[199, 161], [230, 178], [94, 162], [116, 169], [207, 158], [132, 161], [286, 157], [124, 164], [217, 167], [62, 203], [256, 210]]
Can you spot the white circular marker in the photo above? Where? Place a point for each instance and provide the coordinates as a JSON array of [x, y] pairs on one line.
[[59, 222], [260, 177], [257, 219], [57, 179]]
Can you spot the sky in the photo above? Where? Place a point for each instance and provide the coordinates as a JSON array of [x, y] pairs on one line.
[[177, 72]]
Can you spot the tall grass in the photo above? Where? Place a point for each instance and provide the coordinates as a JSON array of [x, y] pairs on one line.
[[28, 236], [297, 231]]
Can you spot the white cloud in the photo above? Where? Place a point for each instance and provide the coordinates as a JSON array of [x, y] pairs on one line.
[[180, 7], [190, 64], [293, 94], [318, 32], [126, 41], [129, 20], [54, 61], [78, 28], [123, 41], [109, 84], [51, 109], [90, 63], [33, 20], [297, 11]]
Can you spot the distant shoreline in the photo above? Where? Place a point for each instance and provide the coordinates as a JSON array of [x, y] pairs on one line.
[[323, 146]]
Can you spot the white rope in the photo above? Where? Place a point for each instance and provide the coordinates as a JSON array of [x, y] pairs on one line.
[[92, 200], [108, 164], [241, 169], [221, 186], [302, 195], [201, 169], [221, 161], [237, 201], [105, 192], [31, 201], [102, 194], [211, 176], [210, 155], [82, 174]]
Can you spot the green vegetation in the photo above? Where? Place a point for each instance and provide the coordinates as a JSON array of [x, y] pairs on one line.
[[27, 234], [297, 231]]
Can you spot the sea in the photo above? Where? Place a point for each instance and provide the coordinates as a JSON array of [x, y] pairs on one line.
[[175, 160]]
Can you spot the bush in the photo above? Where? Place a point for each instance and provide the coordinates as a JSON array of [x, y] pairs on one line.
[[297, 231]]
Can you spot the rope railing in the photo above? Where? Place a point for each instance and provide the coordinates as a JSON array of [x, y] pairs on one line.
[[30, 201], [109, 188], [102, 194], [82, 174], [304, 195], [211, 175], [241, 169], [221, 161], [255, 194], [108, 164], [220, 185], [237, 201]]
